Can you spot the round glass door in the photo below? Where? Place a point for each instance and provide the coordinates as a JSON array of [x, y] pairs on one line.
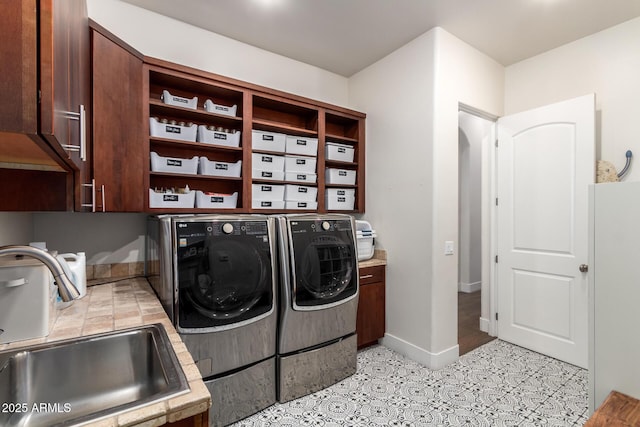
[[326, 267]]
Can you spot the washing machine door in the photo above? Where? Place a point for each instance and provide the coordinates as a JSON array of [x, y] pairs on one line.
[[324, 260], [224, 272]]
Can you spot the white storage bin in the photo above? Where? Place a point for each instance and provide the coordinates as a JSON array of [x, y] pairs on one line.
[[298, 204], [309, 178], [365, 240], [173, 164], [267, 162], [339, 152], [26, 306], [214, 168], [269, 141], [262, 174], [267, 204], [340, 176], [212, 107], [267, 192], [340, 198], [300, 193], [166, 130], [300, 164], [219, 138], [171, 200], [301, 145], [216, 200], [179, 101]]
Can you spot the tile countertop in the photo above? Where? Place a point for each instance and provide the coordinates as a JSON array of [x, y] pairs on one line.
[[120, 305], [379, 258]]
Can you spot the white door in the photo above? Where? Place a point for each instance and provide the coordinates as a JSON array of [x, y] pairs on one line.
[[546, 160]]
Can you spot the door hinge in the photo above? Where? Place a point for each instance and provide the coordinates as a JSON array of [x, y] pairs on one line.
[[496, 259], [496, 143], [496, 315], [496, 201]]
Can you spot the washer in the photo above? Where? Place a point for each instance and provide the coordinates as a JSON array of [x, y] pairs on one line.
[[215, 276], [317, 342]]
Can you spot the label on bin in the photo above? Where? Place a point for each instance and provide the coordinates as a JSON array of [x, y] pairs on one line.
[[301, 161], [302, 204], [342, 150], [267, 159], [172, 162], [302, 189], [222, 108], [301, 142], [170, 198], [302, 177], [217, 199], [342, 173], [219, 135], [267, 174], [173, 129], [222, 166], [265, 204], [267, 137], [266, 188], [342, 193], [178, 99], [342, 199]]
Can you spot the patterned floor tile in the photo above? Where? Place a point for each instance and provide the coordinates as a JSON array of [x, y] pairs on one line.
[[496, 385]]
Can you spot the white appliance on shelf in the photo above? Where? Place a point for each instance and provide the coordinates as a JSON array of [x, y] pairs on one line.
[[365, 240]]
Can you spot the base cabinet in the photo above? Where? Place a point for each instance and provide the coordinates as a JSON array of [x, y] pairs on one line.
[[370, 324], [199, 420]]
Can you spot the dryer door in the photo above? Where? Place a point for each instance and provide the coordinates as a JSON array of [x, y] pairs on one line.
[[325, 265], [224, 272]]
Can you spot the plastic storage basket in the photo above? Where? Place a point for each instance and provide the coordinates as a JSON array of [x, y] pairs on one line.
[[340, 198], [339, 152], [173, 164], [340, 176], [166, 130], [216, 200], [268, 141], [301, 145], [212, 107], [300, 193], [300, 164], [226, 139], [171, 200], [365, 240], [179, 101], [215, 168]]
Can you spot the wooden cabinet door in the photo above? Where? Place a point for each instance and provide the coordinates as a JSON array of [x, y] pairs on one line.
[[118, 131], [370, 323]]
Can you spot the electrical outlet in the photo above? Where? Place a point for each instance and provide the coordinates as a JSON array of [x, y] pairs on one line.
[[448, 247]]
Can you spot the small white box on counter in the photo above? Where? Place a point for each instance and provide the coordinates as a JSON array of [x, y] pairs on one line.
[[179, 101], [270, 175], [166, 130], [171, 200], [212, 107], [267, 192], [340, 176], [267, 162], [301, 145], [340, 198], [300, 193], [339, 152], [209, 136], [298, 204], [268, 141], [300, 164], [216, 200], [173, 164], [267, 204], [215, 168], [309, 178]]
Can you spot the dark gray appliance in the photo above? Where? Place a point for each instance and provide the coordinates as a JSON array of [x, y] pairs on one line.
[[318, 302], [215, 276]]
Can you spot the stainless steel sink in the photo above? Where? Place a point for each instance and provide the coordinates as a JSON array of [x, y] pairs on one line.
[[72, 382]]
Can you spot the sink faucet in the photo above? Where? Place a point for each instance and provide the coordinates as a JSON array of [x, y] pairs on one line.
[[66, 288]]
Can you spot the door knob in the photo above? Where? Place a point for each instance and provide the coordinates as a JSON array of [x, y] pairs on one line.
[[583, 268]]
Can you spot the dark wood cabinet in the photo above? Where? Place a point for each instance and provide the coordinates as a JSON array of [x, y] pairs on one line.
[[370, 323], [44, 49], [118, 137]]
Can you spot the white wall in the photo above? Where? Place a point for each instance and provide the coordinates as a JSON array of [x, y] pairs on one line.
[[411, 98], [175, 41], [605, 63]]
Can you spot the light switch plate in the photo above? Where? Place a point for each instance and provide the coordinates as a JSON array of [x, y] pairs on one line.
[[448, 247]]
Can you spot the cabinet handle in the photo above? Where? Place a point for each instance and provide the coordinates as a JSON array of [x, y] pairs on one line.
[[91, 205], [82, 118], [102, 194], [366, 276]]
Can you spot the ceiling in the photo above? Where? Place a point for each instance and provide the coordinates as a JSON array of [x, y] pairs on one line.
[[345, 36]]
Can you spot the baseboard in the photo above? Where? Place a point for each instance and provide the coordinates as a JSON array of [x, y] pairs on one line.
[[484, 325], [469, 287], [420, 355]]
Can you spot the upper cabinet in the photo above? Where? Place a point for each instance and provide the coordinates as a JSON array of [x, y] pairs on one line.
[[46, 92]]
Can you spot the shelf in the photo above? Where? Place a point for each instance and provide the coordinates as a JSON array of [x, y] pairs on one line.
[[276, 182], [194, 177], [341, 186], [341, 139], [339, 164], [173, 143], [282, 128], [282, 153]]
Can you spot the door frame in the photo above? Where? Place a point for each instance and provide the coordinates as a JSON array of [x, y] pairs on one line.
[[489, 218]]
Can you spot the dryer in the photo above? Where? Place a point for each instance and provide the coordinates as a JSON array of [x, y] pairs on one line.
[[317, 342], [215, 276]]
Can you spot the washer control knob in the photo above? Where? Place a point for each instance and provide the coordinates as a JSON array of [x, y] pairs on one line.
[[227, 228], [326, 225]]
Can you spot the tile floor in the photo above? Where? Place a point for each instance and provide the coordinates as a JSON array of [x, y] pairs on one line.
[[498, 384]]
